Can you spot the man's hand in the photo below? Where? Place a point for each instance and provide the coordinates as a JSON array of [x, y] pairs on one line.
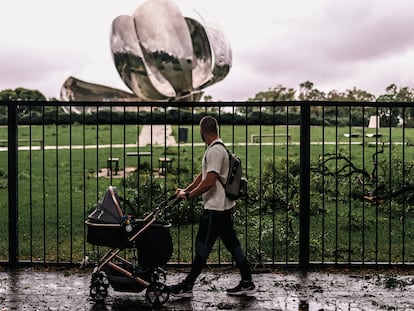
[[183, 194]]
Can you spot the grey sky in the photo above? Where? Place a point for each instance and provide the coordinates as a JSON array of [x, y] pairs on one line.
[[339, 45]]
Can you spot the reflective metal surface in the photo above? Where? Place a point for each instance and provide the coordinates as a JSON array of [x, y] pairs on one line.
[[222, 54], [202, 53], [129, 62], [77, 90], [166, 43], [161, 56]]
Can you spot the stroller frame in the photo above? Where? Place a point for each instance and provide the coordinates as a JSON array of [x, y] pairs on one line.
[[108, 272]]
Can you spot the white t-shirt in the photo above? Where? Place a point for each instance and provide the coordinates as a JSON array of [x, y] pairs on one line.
[[216, 159]]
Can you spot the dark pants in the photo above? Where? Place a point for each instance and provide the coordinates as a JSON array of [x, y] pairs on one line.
[[213, 225]]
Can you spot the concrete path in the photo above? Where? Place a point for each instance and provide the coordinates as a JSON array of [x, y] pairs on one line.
[[156, 135], [34, 289], [163, 137]]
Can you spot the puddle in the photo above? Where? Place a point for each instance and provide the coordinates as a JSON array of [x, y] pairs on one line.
[[53, 290]]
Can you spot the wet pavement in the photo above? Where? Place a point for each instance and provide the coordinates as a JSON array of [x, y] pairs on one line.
[[43, 289]]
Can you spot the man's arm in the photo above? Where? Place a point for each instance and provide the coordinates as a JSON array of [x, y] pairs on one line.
[[194, 184], [190, 187], [198, 186]]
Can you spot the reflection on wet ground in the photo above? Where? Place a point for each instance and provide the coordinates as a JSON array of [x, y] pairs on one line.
[[34, 289]]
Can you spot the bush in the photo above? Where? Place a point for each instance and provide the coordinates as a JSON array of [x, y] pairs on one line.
[[145, 193]]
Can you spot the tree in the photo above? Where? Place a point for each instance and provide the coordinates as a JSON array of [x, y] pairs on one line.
[[276, 94], [21, 94], [7, 95], [395, 94], [335, 96], [307, 92], [358, 95], [354, 95], [208, 98]]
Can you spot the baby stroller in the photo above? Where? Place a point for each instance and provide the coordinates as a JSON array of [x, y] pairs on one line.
[[148, 240]]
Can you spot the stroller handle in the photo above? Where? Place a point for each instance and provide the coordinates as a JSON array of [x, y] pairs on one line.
[[167, 203], [171, 197], [170, 201]]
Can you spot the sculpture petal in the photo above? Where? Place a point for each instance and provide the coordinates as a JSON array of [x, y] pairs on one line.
[[77, 90], [222, 54], [129, 61], [202, 69], [166, 43]]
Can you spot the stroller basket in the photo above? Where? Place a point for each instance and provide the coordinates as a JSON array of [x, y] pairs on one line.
[[105, 228]]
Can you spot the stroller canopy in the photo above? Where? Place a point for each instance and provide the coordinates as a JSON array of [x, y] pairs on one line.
[[108, 210]]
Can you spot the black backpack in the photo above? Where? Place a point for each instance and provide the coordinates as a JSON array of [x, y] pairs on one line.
[[235, 185]]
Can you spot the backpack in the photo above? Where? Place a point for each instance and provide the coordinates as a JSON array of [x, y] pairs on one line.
[[235, 185]]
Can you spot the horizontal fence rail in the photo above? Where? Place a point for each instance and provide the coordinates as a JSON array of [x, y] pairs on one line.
[[328, 183]]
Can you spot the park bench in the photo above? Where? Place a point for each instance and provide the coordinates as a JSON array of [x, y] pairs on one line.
[[4, 142], [109, 165], [255, 137], [165, 165]]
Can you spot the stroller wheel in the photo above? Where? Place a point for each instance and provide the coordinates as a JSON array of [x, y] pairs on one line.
[[157, 294], [99, 286]]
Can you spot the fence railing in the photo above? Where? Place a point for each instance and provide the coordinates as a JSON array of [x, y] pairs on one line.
[[329, 183]]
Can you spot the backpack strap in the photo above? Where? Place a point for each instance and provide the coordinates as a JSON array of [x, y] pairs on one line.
[[228, 153], [220, 143]]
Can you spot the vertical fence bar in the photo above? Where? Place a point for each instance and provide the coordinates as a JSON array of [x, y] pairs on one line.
[[260, 184], [71, 185], [390, 212], [13, 184], [336, 187], [30, 185], [350, 129], [274, 186], [376, 186], [304, 221], [57, 237], [44, 186], [403, 216], [323, 194], [193, 171], [246, 154], [287, 216], [84, 176], [363, 246], [97, 150], [124, 148]]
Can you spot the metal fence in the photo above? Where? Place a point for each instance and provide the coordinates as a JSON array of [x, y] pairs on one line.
[[329, 183]]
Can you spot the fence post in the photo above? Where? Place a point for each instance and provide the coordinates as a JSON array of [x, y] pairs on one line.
[[304, 221], [13, 183]]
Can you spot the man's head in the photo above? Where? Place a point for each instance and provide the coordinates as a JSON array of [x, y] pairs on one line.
[[208, 129]]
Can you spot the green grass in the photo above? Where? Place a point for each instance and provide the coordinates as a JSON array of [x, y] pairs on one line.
[[239, 134], [63, 135], [58, 188]]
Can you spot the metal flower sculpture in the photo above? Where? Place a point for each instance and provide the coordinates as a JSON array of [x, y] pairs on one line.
[[163, 56]]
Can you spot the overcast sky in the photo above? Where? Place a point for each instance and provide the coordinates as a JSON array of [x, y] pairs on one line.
[[367, 44]]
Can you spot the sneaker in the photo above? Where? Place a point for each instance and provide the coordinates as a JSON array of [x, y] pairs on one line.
[[244, 288], [181, 290]]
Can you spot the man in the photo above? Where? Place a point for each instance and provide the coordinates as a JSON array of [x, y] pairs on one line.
[[217, 218]]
